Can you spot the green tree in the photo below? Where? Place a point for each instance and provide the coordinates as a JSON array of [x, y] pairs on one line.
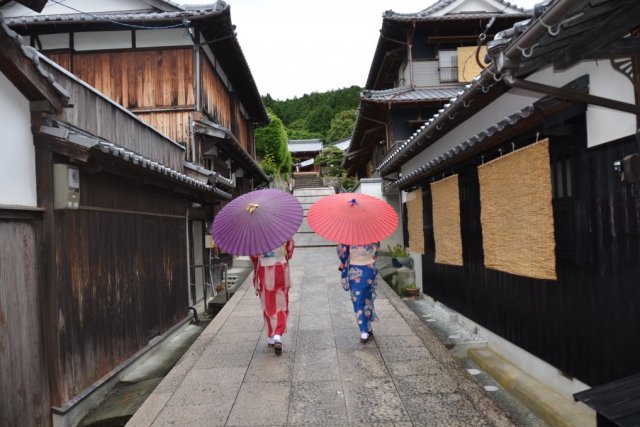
[[319, 119], [272, 144], [331, 160], [297, 124], [342, 126], [303, 134]]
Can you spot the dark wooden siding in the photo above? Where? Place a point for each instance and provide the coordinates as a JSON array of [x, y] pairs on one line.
[[121, 274], [116, 125], [243, 134], [140, 78], [24, 386], [174, 124], [587, 322], [216, 100]]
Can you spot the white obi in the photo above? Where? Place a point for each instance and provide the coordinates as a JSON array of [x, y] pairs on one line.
[[276, 256], [361, 255]]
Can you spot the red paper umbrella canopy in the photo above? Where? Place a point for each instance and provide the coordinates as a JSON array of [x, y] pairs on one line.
[[257, 222], [352, 218]]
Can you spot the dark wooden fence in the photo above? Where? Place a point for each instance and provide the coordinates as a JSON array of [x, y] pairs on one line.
[[24, 385]]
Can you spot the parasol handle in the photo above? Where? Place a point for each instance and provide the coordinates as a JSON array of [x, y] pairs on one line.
[[353, 202], [252, 207]]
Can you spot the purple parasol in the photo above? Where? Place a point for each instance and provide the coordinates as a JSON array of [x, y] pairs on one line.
[[256, 222]]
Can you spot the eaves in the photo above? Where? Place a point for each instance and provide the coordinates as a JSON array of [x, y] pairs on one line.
[[82, 147]]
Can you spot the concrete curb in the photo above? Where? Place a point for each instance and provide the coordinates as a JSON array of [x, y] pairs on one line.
[[467, 386], [553, 408]]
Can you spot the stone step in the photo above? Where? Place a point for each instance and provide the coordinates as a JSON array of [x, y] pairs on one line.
[[313, 192]]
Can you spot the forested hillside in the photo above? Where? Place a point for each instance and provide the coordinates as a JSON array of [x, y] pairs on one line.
[[329, 116]]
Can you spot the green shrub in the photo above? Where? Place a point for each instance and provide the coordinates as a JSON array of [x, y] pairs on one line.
[[397, 251], [268, 165]]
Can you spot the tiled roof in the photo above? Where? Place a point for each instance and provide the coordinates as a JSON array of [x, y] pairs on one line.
[[459, 16], [132, 15], [408, 94], [305, 145], [60, 130], [428, 12], [424, 169], [344, 144]]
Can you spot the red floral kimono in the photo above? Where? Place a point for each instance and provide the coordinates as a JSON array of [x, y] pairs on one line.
[[272, 282]]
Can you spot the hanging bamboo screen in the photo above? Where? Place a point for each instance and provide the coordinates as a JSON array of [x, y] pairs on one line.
[[415, 221], [468, 67], [446, 221], [516, 213]]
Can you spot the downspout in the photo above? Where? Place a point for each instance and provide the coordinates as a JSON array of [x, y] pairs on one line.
[[198, 97], [410, 50], [186, 227]]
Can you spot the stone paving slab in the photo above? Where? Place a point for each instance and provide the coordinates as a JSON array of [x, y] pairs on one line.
[[404, 376]]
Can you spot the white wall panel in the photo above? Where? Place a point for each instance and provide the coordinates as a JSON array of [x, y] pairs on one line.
[[102, 40], [54, 41], [17, 163], [603, 124], [160, 38]]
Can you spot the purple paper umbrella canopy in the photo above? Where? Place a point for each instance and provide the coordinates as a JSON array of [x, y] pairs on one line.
[[256, 222]]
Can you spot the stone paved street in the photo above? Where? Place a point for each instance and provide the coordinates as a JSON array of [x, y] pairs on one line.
[[325, 376]]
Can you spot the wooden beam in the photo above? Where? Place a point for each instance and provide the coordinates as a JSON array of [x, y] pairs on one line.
[[453, 39], [166, 109], [23, 73]]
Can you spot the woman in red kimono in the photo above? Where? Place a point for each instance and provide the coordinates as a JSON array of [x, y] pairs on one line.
[[272, 282]]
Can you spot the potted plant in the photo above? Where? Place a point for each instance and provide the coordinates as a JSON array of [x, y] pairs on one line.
[[411, 291], [399, 255]]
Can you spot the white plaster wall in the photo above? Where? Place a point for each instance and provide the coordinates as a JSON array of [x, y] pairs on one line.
[[603, 124], [463, 6], [99, 40], [507, 104], [53, 41], [17, 163], [161, 38]]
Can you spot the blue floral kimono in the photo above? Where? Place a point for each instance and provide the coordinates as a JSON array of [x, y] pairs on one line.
[[359, 276]]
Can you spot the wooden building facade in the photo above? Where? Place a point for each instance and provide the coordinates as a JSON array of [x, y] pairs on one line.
[[120, 159], [540, 160], [421, 61]]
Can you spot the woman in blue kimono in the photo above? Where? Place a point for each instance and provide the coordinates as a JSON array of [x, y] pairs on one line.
[[358, 272]]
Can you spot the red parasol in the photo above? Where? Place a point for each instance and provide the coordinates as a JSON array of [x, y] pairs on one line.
[[352, 218], [257, 222]]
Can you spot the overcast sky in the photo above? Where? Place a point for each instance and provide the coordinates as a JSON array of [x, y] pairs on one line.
[[295, 47]]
